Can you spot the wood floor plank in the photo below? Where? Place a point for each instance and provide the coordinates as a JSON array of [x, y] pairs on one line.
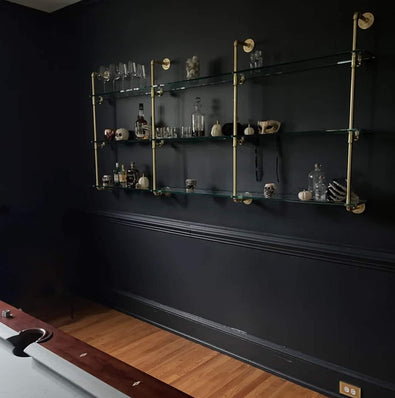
[[184, 364]]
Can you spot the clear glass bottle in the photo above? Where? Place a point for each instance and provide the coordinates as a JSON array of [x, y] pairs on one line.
[[320, 189], [313, 177], [197, 120], [141, 123], [122, 177], [132, 176]]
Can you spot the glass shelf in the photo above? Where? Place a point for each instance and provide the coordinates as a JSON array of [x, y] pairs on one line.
[[114, 188], [103, 143], [291, 198], [338, 59], [255, 196], [222, 138]]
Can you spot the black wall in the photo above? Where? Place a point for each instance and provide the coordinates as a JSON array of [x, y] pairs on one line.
[[32, 193], [304, 291]]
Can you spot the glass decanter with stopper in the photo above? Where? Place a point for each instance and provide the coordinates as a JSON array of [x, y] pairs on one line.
[[197, 120], [316, 183], [313, 177]]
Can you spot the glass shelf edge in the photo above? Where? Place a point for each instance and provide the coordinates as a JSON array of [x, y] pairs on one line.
[[336, 59], [229, 137]]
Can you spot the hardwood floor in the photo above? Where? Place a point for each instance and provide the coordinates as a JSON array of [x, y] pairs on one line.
[[188, 366]]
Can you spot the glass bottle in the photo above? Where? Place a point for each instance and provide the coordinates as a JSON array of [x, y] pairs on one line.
[[122, 177], [320, 189], [197, 120], [141, 123], [132, 176], [313, 177], [115, 173]]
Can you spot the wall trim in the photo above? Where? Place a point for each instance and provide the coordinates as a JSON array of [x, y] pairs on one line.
[[279, 360], [285, 245]]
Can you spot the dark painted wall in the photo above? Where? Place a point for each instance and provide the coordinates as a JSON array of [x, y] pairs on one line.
[[32, 189], [316, 282]]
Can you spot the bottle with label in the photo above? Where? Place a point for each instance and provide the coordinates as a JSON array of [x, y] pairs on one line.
[[313, 177], [122, 177], [197, 120], [141, 124], [132, 176], [115, 174]]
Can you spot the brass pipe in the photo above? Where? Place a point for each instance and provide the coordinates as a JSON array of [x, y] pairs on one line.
[[93, 74], [235, 83], [153, 127], [351, 114]]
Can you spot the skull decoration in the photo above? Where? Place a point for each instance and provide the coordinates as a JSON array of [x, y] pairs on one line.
[[269, 189], [268, 126], [121, 134]]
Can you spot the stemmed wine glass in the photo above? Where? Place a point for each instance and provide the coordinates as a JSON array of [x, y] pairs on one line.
[[115, 75], [141, 75], [132, 72], [124, 73]]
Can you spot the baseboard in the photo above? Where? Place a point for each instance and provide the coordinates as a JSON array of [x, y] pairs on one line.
[[289, 364]]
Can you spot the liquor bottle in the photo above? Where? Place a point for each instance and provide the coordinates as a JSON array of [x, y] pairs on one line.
[[197, 120], [122, 177], [132, 176], [115, 174], [141, 124]]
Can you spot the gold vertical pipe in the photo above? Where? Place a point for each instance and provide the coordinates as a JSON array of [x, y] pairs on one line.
[[235, 82], [351, 114], [95, 130], [153, 127]]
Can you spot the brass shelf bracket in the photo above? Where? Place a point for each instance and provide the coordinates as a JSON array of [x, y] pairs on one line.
[[248, 46], [165, 65], [364, 21]]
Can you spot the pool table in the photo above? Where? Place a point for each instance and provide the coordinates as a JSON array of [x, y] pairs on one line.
[[61, 366]]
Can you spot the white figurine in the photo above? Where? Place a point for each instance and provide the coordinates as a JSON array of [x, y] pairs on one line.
[[193, 67]]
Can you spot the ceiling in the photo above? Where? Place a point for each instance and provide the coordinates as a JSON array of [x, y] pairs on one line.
[[45, 5]]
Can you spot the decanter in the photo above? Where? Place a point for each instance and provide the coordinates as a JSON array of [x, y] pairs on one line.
[[197, 120]]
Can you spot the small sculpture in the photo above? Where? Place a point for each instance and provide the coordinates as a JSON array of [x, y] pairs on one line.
[[190, 184], [193, 67], [109, 134], [121, 134], [143, 182], [337, 192], [305, 195], [249, 130], [269, 189], [269, 126], [216, 130]]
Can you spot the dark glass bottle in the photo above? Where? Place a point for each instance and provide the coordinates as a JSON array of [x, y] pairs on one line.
[[141, 124], [133, 176], [115, 174]]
